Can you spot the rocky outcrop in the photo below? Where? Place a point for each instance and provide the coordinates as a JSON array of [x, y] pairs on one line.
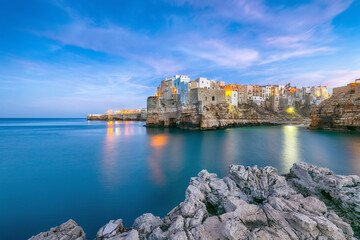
[[340, 112], [255, 203], [118, 117], [66, 231], [196, 116], [98, 117], [340, 193]]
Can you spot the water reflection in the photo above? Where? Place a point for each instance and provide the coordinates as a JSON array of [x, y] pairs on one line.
[[354, 145], [230, 146], [157, 143], [109, 158], [290, 151], [158, 140]]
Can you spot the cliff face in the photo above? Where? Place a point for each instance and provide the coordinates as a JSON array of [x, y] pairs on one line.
[[168, 113], [340, 112], [252, 203]]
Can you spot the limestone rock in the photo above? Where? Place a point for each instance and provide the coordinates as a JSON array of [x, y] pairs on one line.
[[342, 193], [171, 113], [66, 231], [111, 229], [340, 112]]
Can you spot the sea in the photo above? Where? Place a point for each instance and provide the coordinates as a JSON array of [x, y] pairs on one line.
[[52, 170]]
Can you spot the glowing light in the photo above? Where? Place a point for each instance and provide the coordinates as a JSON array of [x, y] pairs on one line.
[[228, 93], [290, 110], [110, 123], [158, 140], [110, 111], [127, 111]]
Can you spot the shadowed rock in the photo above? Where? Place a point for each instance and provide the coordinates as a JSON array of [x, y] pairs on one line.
[[66, 231]]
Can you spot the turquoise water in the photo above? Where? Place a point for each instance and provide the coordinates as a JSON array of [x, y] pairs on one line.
[[55, 169]]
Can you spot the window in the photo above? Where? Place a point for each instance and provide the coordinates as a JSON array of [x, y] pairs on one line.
[[205, 98], [213, 98]]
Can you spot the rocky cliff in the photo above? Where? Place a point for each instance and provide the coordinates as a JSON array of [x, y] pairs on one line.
[[340, 112], [250, 203], [215, 116]]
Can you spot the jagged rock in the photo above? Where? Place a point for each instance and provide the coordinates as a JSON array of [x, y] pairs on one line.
[[111, 229], [66, 231], [340, 112], [342, 193], [255, 203], [146, 223]]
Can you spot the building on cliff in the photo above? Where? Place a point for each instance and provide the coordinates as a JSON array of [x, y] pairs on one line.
[[210, 104], [273, 97], [181, 90], [352, 88]]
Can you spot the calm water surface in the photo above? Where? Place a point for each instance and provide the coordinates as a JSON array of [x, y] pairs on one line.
[[55, 169]]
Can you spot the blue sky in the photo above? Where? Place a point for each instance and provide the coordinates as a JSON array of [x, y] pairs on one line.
[[63, 58]]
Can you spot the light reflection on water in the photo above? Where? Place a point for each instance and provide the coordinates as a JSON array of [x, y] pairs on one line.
[[354, 146], [157, 142], [52, 170], [290, 149]]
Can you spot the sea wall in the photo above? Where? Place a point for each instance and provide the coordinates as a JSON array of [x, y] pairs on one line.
[[340, 112], [250, 203], [118, 117]]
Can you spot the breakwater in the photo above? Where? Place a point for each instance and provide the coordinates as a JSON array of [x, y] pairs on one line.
[[310, 202], [118, 117]]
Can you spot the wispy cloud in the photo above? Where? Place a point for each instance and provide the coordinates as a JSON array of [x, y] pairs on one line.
[[115, 40], [299, 53], [222, 54]]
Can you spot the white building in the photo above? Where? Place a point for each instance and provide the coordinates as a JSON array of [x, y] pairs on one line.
[[258, 100], [268, 91], [232, 98], [181, 85], [203, 82]]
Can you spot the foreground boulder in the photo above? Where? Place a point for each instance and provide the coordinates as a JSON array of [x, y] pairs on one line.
[[340, 193], [66, 231], [255, 203]]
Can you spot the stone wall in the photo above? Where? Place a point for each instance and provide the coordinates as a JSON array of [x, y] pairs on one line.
[[207, 96], [341, 90]]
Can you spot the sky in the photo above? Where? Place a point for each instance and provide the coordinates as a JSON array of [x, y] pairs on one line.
[[66, 58]]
